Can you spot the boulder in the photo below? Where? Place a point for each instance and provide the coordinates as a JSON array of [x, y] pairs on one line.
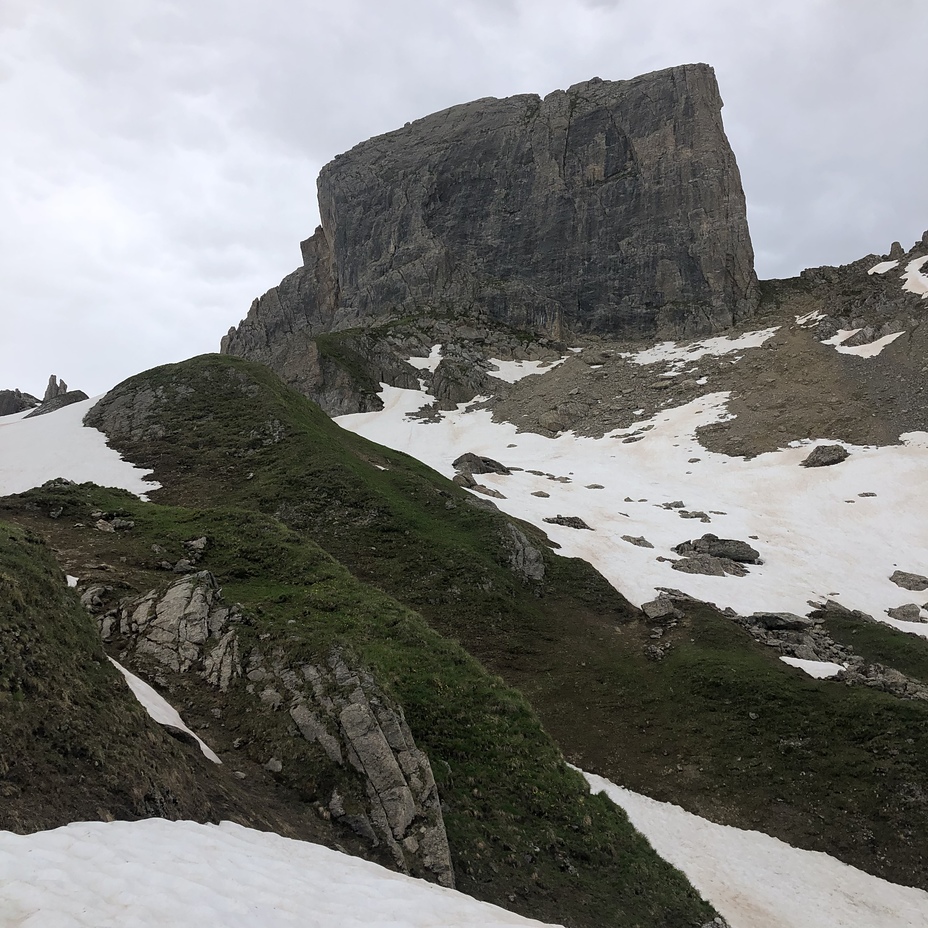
[[638, 540], [470, 463], [709, 565], [661, 607], [914, 582], [731, 549], [910, 612], [825, 456], [524, 558], [569, 521]]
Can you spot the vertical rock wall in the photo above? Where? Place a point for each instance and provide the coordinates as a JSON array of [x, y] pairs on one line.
[[614, 207]]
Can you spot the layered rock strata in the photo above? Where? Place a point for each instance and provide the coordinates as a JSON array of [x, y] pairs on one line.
[[613, 207]]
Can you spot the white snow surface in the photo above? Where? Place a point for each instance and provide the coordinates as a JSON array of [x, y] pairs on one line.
[[869, 350], [160, 709], [821, 670], [818, 537], [679, 355], [154, 873], [810, 318], [882, 267], [429, 363], [756, 881], [59, 445], [511, 371], [841, 336], [915, 280]]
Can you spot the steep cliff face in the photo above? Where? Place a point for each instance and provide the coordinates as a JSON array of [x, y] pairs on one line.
[[614, 207]]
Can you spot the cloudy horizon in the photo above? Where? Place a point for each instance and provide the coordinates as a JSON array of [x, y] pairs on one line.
[[160, 157]]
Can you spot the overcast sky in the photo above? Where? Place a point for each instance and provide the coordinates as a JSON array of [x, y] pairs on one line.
[[158, 157]]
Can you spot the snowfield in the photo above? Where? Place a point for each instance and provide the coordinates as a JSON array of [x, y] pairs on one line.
[[869, 350], [155, 873], [159, 874], [59, 445], [756, 881], [856, 522]]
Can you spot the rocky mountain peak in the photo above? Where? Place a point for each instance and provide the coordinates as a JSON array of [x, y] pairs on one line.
[[612, 207]]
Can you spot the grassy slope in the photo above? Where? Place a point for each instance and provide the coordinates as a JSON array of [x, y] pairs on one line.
[[67, 718], [523, 829], [879, 643], [828, 767]]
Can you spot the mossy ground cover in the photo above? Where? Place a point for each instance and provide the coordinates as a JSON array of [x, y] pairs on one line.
[[724, 728], [719, 725], [68, 721], [879, 643], [523, 829], [815, 768]]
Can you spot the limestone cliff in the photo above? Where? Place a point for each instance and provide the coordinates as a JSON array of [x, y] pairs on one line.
[[613, 207]]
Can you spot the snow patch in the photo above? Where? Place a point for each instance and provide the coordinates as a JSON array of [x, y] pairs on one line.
[[810, 318], [840, 337], [756, 881], [915, 280], [882, 267], [153, 873], [72, 581], [821, 670], [429, 363], [160, 709], [513, 371], [869, 350], [679, 355], [58, 444]]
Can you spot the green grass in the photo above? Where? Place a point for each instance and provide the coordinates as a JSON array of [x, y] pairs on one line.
[[877, 642], [829, 767], [70, 725], [521, 824]]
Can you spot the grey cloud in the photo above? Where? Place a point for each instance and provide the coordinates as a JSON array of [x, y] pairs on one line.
[[160, 165]]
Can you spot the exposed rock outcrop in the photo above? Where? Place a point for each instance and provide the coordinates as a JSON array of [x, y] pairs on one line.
[[613, 207], [12, 401], [56, 396], [187, 627]]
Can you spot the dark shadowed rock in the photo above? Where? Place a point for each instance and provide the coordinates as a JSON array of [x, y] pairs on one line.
[[826, 455], [780, 621], [58, 402], [12, 401]]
